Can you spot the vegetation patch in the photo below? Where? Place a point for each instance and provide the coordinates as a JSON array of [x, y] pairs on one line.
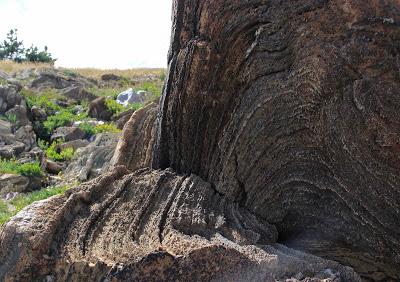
[[91, 129], [54, 153], [26, 169], [10, 208]]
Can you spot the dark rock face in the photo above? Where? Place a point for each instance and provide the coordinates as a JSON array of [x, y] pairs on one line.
[[99, 110], [290, 109], [278, 124]]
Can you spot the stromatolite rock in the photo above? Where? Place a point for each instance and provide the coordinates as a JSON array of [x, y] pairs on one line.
[[278, 125]]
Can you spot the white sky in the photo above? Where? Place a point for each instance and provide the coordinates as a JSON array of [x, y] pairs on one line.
[[93, 33]]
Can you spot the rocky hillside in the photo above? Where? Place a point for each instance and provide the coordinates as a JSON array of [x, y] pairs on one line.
[[59, 128], [273, 155]]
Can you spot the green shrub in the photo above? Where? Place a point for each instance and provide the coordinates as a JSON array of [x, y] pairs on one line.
[[91, 129], [44, 100], [43, 145], [88, 128], [11, 118], [114, 107], [56, 154], [62, 118], [9, 209], [107, 127], [26, 169]]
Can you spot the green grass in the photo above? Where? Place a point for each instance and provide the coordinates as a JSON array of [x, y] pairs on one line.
[[44, 100], [154, 87], [10, 208], [26, 169]]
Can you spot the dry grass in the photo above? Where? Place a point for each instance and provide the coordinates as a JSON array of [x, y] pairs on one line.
[[11, 66], [128, 73]]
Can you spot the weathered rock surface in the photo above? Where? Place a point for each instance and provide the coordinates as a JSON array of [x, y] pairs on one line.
[[68, 133], [9, 98], [94, 159], [278, 125], [50, 78], [98, 109], [135, 147], [78, 94], [18, 183], [74, 144]]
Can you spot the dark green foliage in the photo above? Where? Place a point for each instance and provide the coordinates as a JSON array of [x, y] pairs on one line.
[[32, 54], [13, 49]]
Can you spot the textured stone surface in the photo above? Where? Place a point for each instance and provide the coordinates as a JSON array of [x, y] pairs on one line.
[[148, 226], [278, 125], [135, 147], [290, 109], [94, 159]]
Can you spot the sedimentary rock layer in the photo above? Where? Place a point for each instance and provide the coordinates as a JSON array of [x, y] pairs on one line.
[[278, 123], [290, 109]]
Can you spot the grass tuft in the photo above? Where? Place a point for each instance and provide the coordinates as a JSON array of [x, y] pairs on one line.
[[10, 208], [26, 169]]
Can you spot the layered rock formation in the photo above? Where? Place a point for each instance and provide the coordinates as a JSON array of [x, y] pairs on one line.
[[278, 124]]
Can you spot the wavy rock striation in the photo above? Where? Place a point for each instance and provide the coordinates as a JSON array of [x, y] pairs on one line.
[[278, 125]]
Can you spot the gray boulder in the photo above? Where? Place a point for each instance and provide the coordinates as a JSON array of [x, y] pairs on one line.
[[74, 144], [94, 159], [26, 135], [5, 127], [9, 98], [13, 150], [130, 96], [68, 133], [18, 183], [78, 93], [20, 113]]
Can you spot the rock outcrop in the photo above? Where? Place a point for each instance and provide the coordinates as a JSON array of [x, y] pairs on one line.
[[278, 126]]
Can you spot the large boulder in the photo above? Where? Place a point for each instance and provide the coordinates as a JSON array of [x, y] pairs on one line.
[[130, 96], [18, 183], [98, 109], [276, 136], [19, 115], [93, 159], [53, 78], [27, 136], [78, 94], [67, 133], [9, 98], [5, 127]]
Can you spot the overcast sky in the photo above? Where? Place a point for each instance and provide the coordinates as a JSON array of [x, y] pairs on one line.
[[93, 33]]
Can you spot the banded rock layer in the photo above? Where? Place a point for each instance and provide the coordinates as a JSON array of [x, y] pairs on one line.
[[278, 124]]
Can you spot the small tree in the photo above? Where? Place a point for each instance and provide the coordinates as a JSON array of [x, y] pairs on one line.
[[12, 49], [32, 54]]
